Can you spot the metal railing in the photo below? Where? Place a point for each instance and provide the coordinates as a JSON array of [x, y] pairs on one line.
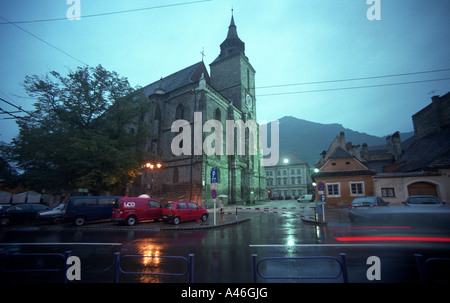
[[423, 268], [342, 267], [62, 268], [189, 271]]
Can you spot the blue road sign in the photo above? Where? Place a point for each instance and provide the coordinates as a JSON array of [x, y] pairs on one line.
[[322, 198], [320, 186], [213, 193], [214, 175]]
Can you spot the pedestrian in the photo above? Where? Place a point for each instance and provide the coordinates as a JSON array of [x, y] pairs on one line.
[[221, 211]]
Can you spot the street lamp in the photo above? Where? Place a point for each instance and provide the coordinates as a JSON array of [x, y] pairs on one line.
[[152, 166]]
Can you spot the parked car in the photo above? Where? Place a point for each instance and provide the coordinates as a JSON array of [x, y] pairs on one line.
[[178, 211], [306, 198], [20, 213], [371, 201], [79, 210], [130, 210], [422, 200], [54, 215], [362, 209]]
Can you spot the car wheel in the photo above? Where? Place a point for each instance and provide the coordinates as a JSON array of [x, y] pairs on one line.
[[204, 217], [176, 220], [56, 220], [79, 221], [131, 220], [4, 221]]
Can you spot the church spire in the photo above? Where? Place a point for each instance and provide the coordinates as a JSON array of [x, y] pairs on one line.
[[232, 44]]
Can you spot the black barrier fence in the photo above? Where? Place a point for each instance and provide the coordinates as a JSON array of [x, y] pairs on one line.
[[18, 263], [430, 270], [341, 262]]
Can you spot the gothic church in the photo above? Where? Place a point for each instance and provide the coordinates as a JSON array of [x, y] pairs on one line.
[[227, 93]]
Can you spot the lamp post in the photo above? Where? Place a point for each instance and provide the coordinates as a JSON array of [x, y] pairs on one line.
[[152, 166]]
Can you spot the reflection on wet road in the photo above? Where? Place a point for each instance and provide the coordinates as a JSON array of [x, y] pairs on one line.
[[223, 255]]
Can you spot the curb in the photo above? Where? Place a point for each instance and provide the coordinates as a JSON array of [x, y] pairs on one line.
[[203, 226]]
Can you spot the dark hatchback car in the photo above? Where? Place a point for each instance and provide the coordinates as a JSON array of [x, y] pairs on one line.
[[21, 213]]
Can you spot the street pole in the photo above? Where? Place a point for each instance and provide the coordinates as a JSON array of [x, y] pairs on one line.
[[214, 200]]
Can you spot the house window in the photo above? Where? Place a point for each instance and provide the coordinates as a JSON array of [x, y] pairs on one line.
[[388, 192], [357, 188], [333, 189]]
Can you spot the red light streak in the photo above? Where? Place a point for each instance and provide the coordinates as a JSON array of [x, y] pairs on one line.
[[383, 238]]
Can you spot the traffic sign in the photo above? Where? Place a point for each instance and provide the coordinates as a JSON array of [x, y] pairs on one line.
[[323, 198], [320, 186], [213, 193], [214, 175]]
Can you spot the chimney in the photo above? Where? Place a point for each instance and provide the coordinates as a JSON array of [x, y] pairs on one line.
[[396, 145], [365, 151], [436, 106], [390, 147]]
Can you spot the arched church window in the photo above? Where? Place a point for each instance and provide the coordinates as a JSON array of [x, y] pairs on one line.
[[179, 113], [218, 115]]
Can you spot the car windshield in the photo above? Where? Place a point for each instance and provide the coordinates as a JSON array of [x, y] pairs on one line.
[[169, 206], [117, 203], [365, 201], [423, 200]]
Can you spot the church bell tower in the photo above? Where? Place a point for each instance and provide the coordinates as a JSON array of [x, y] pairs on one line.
[[232, 75]]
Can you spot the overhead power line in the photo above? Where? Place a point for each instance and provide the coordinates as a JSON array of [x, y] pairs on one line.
[[356, 79], [107, 14], [15, 106], [351, 87], [42, 40]]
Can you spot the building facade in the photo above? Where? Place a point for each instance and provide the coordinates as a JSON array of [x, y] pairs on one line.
[[194, 97], [289, 179], [345, 178], [424, 168]]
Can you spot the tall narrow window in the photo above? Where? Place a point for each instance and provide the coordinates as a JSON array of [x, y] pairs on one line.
[[179, 114], [175, 175]]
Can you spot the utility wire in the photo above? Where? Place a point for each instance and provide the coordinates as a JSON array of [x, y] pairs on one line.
[[15, 106], [356, 79], [351, 87], [107, 14], [341, 80], [42, 40]]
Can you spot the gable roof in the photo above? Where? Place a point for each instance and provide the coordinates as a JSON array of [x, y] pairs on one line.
[[293, 159], [188, 75], [428, 152], [339, 153]]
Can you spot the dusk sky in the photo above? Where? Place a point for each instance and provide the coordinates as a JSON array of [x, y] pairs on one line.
[[404, 57]]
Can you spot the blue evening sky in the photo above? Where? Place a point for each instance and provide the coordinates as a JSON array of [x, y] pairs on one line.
[[287, 42]]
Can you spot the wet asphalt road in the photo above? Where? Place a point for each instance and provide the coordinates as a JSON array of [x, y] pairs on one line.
[[222, 254]]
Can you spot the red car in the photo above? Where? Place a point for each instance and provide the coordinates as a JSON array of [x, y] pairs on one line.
[[177, 211], [130, 210]]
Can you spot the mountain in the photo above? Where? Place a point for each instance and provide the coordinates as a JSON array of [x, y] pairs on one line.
[[308, 139]]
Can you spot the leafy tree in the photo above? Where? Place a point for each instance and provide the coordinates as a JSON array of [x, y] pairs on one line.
[[83, 132]]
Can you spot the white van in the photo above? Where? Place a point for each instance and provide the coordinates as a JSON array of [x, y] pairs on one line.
[[306, 198]]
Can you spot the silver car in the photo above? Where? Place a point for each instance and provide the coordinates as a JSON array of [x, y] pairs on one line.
[[422, 200], [54, 215]]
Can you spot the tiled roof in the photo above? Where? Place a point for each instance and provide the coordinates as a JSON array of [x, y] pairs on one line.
[[179, 79], [428, 152]]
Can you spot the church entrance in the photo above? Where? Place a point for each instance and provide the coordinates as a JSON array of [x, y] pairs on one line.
[[422, 188]]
